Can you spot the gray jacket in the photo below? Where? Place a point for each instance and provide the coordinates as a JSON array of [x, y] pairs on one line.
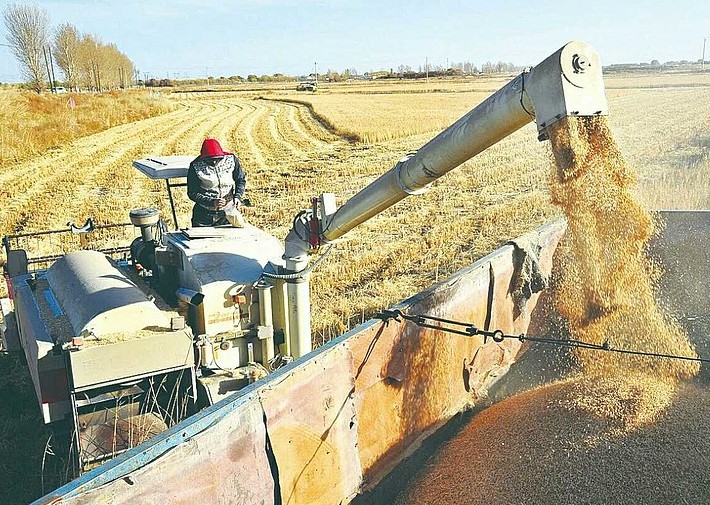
[[207, 181]]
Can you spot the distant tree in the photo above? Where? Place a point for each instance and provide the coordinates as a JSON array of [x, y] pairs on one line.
[[27, 35], [65, 50], [87, 55], [102, 66], [252, 78], [655, 63], [332, 76], [468, 68]]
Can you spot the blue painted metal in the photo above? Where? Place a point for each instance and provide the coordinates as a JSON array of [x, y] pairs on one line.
[[53, 303]]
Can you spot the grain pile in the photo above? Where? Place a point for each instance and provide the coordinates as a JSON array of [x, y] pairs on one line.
[[531, 449], [624, 429]]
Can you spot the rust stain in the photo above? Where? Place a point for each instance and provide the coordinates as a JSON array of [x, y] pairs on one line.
[[309, 465]]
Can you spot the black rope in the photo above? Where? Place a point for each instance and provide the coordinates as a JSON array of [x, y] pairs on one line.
[[470, 330], [522, 95]]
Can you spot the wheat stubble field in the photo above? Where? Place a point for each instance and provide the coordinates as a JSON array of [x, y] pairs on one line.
[[340, 139]]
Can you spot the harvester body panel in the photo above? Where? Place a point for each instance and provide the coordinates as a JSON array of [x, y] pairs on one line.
[[221, 263]]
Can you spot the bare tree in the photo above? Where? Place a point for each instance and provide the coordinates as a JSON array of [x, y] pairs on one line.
[[102, 66], [65, 49], [27, 34], [89, 76]]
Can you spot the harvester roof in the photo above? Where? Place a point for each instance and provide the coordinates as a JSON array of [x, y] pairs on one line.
[[164, 167]]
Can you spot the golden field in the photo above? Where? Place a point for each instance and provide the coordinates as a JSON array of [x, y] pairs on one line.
[[30, 123], [291, 156]]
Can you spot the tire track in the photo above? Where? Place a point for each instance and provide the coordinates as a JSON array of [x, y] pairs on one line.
[[278, 153], [297, 126], [256, 156], [280, 138], [314, 127]]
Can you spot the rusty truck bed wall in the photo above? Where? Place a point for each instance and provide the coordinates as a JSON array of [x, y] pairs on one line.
[[333, 423]]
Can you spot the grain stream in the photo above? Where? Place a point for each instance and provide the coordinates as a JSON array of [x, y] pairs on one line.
[[589, 438]]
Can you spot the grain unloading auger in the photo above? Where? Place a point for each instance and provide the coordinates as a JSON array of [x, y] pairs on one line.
[[567, 83], [221, 307]]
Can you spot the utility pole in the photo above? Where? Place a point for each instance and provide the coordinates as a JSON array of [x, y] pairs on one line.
[[51, 67], [49, 75], [315, 70], [702, 63], [426, 68]]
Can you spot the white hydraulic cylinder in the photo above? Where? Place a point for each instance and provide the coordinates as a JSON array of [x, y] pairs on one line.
[[299, 307], [266, 321]]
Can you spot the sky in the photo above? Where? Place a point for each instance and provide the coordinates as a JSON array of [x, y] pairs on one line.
[[197, 38]]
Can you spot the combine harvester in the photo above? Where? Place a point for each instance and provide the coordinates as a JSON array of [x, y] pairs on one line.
[[199, 340]]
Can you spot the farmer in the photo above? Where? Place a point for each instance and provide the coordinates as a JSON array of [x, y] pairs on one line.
[[215, 182]]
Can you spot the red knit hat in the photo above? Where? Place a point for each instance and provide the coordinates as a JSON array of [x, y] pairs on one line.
[[211, 148]]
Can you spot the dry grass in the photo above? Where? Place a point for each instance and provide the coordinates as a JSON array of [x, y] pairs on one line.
[[391, 116], [23, 437], [657, 80], [31, 123]]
